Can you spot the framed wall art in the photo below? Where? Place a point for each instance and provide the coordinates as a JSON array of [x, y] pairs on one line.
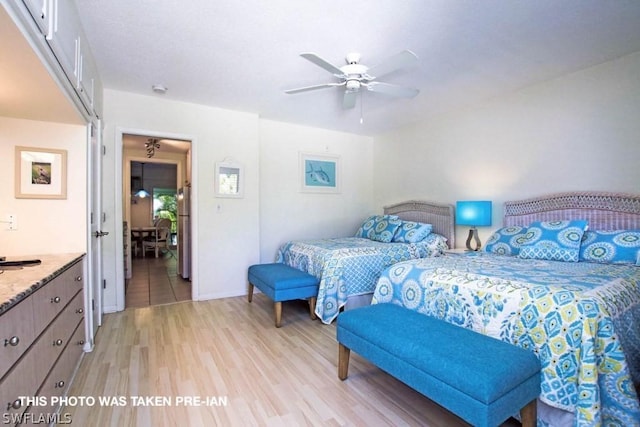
[[229, 180], [319, 173], [41, 173]]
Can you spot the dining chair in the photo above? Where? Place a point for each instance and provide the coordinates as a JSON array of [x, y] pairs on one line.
[[159, 239]]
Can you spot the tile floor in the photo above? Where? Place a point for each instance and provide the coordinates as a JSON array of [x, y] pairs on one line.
[[155, 281]]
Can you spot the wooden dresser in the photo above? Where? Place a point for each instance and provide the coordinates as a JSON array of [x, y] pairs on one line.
[[42, 336]]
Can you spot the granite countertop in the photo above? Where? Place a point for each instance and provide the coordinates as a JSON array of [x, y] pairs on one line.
[[18, 283]]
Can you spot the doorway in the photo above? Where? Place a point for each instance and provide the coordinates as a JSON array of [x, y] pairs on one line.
[[154, 170]]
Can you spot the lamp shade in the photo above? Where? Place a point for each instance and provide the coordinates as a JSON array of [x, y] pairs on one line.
[[473, 213], [142, 193]]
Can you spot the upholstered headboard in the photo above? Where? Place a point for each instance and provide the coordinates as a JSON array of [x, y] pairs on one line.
[[439, 215], [604, 211]]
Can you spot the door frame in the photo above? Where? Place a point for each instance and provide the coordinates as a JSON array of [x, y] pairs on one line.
[[126, 188], [95, 220], [119, 208]]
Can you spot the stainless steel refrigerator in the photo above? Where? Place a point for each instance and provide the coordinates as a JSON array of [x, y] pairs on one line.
[[184, 232]]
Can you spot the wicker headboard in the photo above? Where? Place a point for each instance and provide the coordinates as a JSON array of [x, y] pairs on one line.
[[439, 215], [604, 211]]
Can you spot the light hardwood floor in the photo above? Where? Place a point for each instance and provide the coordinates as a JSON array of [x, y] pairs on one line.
[[229, 349]]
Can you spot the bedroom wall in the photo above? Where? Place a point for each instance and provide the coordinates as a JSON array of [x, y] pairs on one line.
[[44, 225], [286, 213], [227, 241], [577, 132]]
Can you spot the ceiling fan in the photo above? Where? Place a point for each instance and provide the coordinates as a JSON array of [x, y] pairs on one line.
[[354, 76]]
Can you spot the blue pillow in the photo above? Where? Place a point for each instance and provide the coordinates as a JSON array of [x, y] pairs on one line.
[[506, 241], [379, 227], [412, 232], [553, 240], [615, 247], [366, 226]]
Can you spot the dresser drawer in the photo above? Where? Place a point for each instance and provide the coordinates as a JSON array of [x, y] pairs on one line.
[[49, 300], [16, 334], [20, 381], [60, 376], [53, 341]]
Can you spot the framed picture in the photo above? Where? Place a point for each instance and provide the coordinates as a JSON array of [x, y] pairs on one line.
[[319, 173], [229, 179], [41, 173]]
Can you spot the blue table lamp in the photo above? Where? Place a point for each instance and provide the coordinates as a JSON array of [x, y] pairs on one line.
[[475, 214]]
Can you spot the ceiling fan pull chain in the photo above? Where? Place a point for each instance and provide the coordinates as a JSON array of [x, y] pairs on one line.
[[361, 102]]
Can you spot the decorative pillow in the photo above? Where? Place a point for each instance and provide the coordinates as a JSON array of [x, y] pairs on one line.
[[506, 241], [553, 240], [411, 232], [366, 226], [379, 227], [615, 247]]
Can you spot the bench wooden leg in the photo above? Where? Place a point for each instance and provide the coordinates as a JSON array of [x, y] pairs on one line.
[[250, 293], [343, 361], [528, 414], [277, 307], [312, 308]]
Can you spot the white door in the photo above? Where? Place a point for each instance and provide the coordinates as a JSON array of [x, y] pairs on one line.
[[96, 219]]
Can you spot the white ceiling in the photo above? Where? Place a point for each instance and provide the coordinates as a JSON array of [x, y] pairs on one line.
[[137, 142], [243, 55]]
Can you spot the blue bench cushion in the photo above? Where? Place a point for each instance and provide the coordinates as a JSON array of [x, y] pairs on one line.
[[281, 282], [473, 375]]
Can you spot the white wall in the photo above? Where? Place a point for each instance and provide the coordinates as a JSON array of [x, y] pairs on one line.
[[286, 213], [578, 132], [44, 225], [235, 233], [227, 241]]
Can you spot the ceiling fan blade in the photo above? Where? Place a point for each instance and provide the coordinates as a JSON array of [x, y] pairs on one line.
[[349, 100], [308, 88], [310, 56], [393, 90], [397, 61]]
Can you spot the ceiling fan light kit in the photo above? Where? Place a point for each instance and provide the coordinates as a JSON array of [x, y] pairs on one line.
[[355, 75], [353, 85]]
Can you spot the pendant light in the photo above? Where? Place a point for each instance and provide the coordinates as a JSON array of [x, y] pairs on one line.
[[142, 193]]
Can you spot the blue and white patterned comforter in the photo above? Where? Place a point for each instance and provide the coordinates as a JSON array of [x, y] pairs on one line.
[[350, 265], [577, 317]]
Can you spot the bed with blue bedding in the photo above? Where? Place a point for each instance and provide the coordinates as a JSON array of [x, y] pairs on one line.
[[578, 311], [349, 267]]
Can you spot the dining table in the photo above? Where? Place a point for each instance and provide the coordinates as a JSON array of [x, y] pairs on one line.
[[139, 233]]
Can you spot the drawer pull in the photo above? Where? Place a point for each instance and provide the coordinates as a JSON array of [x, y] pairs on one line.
[[16, 404], [78, 278], [55, 300], [13, 341], [80, 311], [60, 384], [81, 342], [57, 342]]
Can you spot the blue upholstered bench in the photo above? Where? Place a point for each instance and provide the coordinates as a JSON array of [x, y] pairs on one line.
[[481, 379], [283, 283]]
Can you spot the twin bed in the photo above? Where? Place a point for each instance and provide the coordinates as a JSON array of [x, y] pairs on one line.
[[582, 319], [348, 268]]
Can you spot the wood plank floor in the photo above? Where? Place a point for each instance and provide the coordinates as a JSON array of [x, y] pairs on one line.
[[228, 349]]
